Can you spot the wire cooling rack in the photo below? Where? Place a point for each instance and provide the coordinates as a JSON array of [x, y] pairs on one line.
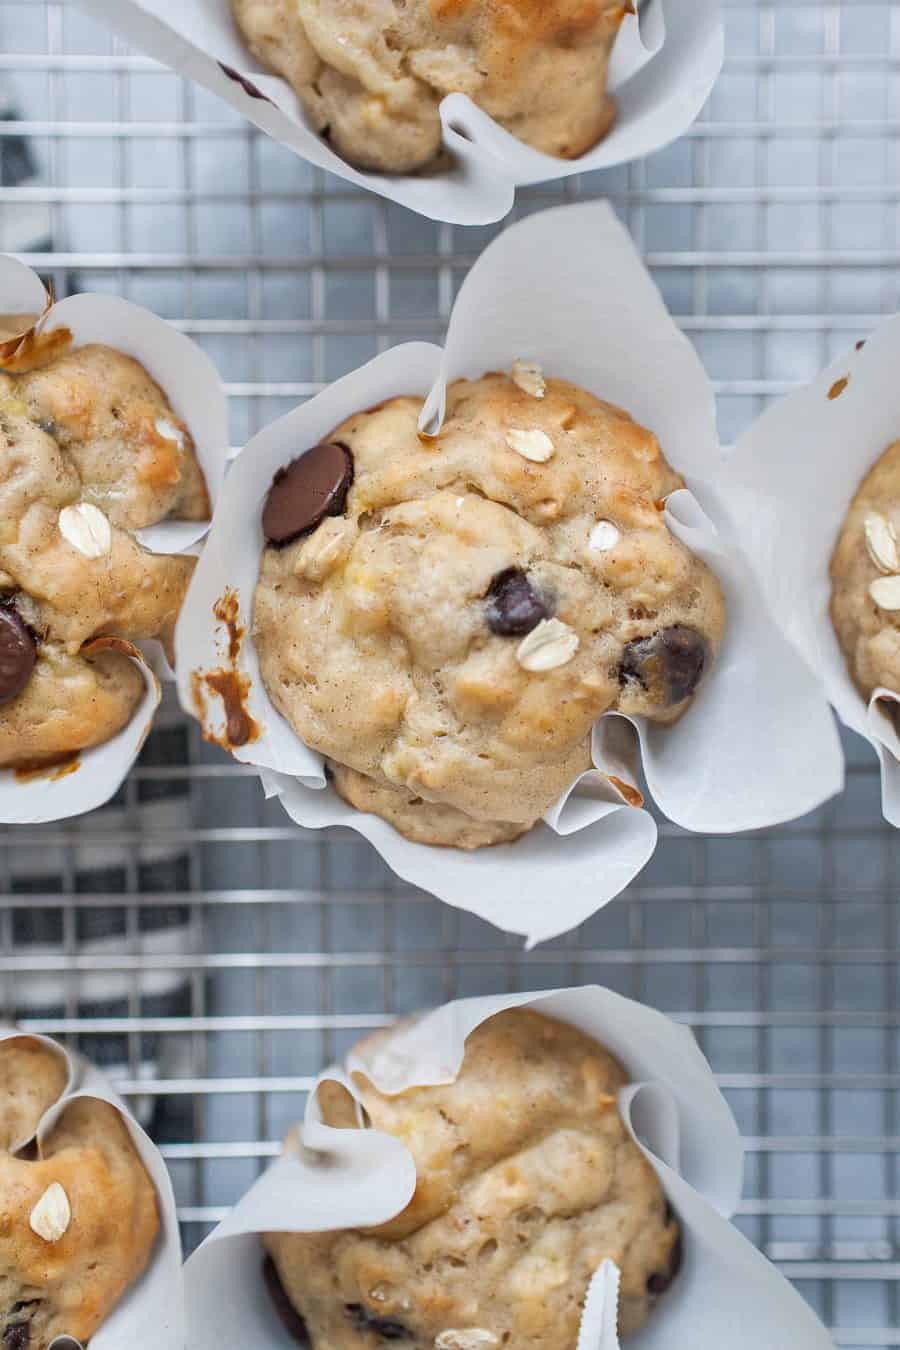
[[213, 955]]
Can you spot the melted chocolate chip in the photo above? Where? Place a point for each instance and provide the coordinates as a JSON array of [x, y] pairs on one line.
[[513, 607], [291, 1320], [18, 653], [660, 1280], [309, 489], [17, 1337], [669, 665], [384, 1327]]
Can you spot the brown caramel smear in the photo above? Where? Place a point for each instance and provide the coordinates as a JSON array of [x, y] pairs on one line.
[[52, 769], [27, 348], [838, 387], [232, 688], [227, 611], [231, 685], [631, 794]]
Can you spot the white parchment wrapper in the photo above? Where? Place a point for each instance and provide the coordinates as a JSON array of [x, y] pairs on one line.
[[151, 1314], [664, 65], [789, 483], [726, 1295], [757, 747], [195, 392]]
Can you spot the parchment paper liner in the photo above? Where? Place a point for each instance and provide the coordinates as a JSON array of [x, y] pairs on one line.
[[788, 484], [664, 66], [726, 1294], [150, 1315], [195, 392], [759, 745]]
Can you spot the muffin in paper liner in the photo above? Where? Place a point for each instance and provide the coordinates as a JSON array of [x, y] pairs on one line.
[[193, 388], [150, 1315], [726, 1293], [758, 745], [788, 484], [665, 62]]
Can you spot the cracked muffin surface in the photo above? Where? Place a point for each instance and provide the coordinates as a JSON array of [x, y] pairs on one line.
[[527, 1180], [90, 451], [371, 75], [449, 638], [865, 579], [78, 1218]]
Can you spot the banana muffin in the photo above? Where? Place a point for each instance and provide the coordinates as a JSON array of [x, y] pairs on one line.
[[527, 1180], [445, 618], [90, 451], [78, 1219], [865, 579], [371, 76]]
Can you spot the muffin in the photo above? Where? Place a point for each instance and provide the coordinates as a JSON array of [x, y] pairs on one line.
[[527, 1180], [372, 77], [444, 619], [78, 1219], [90, 452], [865, 579]]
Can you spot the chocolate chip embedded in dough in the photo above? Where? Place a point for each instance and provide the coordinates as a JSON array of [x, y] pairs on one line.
[[513, 606], [18, 653], [306, 491], [669, 665]]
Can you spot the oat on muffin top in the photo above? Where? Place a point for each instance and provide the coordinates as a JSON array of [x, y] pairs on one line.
[[865, 579], [449, 638], [527, 1180], [79, 1220], [90, 451]]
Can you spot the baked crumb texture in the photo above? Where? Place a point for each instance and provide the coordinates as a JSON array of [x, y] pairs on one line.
[[90, 451], [371, 75], [78, 1222], [448, 640], [527, 1181]]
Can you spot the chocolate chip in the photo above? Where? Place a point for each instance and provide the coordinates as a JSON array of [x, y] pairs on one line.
[[669, 665], [17, 1337], [290, 1318], [513, 607], [18, 653], [384, 1327], [660, 1280], [309, 489]]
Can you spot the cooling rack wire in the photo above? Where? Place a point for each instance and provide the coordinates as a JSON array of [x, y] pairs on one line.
[[213, 955]]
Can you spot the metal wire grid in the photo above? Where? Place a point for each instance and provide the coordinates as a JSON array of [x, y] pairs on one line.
[[216, 955]]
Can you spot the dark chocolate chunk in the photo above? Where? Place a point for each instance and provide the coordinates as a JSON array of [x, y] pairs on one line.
[[660, 1280], [669, 665], [309, 489], [18, 653], [384, 1327], [513, 606], [17, 1336], [290, 1318]]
